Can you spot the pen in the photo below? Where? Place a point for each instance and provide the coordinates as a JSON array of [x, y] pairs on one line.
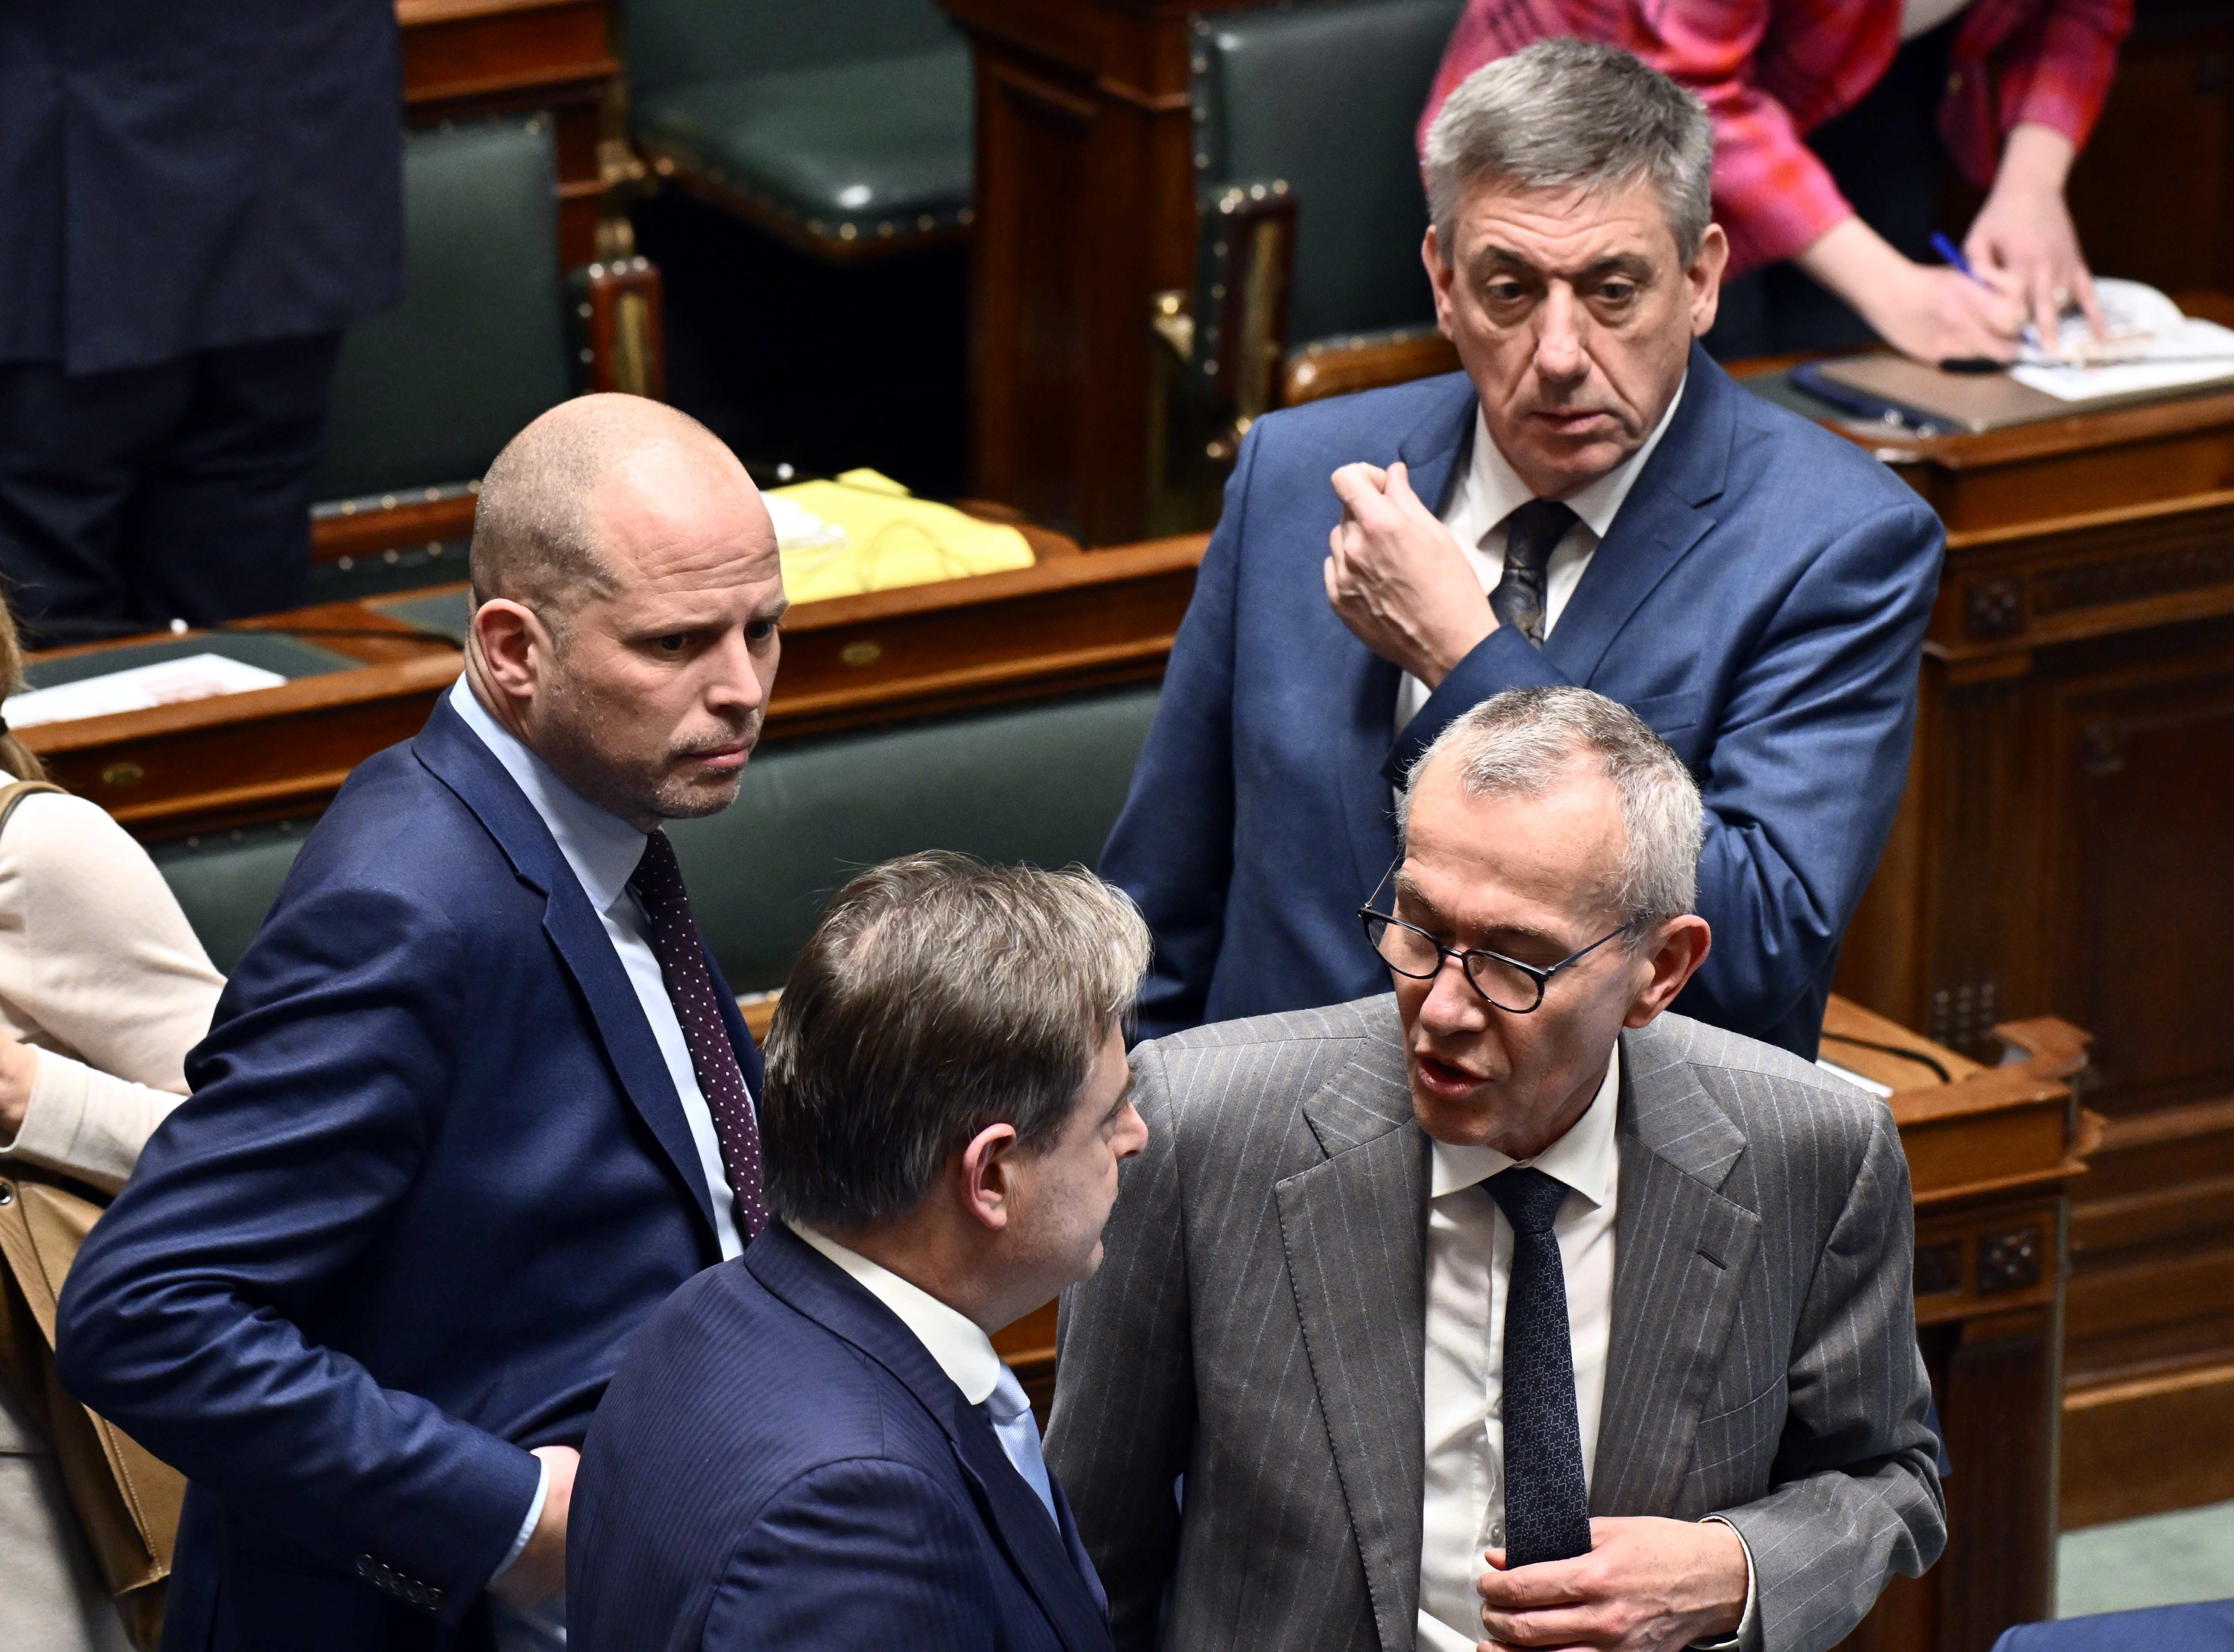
[[1954, 260], [1953, 255]]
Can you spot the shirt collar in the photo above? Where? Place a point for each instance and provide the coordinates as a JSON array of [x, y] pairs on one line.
[[956, 1342], [602, 849], [1585, 1158], [1498, 490]]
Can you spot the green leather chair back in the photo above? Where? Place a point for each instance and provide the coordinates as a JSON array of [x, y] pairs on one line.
[[1041, 783], [226, 882], [682, 43], [427, 392], [1327, 97]]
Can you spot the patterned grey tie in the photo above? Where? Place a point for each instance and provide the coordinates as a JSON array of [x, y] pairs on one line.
[[674, 936], [1547, 1510], [1530, 534]]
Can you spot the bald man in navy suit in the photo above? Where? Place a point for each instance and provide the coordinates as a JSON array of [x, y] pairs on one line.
[[476, 1100]]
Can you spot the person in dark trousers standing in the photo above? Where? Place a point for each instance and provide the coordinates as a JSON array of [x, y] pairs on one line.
[[198, 198]]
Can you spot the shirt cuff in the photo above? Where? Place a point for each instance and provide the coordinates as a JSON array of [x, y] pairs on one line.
[[1747, 1639], [86, 1123], [543, 1490]]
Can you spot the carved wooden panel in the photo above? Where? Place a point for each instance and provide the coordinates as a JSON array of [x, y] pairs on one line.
[[2146, 761]]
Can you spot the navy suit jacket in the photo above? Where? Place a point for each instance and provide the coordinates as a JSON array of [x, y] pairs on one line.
[[781, 1465], [433, 1177], [180, 175], [1760, 601]]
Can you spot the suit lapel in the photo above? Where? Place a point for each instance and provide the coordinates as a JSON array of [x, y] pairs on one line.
[[1034, 1545], [1667, 512], [456, 756], [1435, 450], [1682, 1249], [1353, 1229]]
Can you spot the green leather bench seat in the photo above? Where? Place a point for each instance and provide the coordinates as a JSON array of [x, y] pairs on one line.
[[881, 144], [1041, 783], [1279, 94]]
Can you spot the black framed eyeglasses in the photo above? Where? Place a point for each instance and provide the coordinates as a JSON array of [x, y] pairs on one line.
[[1507, 983]]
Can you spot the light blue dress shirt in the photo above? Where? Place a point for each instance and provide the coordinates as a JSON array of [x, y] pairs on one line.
[[603, 851]]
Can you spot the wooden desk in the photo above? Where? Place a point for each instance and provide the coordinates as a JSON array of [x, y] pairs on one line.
[[1991, 1154], [464, 59], [1068, 624], [2061, 849]]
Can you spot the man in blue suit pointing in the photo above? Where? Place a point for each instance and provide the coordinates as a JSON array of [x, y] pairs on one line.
[[1591, 501], [476, 1100], [817, 1446]]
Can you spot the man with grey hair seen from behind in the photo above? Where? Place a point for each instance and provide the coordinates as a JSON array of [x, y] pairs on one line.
[[477, 1099], [1569, 1322], [818, 1448], [1592, 501]]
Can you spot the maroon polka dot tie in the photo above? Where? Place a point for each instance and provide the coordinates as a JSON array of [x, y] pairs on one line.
[[674, 936]]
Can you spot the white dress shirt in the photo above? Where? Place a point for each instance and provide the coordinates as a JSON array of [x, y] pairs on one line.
[[603, 851], [1490, 490], [960, 1346], [1469, 1270], [1469, 1267], [956, 1342]]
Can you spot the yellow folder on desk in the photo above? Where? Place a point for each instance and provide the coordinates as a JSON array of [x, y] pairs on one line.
[[892, 538]]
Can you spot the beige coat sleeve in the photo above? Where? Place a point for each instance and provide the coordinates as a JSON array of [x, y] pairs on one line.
[[101, 974]]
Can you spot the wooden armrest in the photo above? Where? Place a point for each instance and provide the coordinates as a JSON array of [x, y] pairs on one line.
[[2046, 1047], [618, 306]]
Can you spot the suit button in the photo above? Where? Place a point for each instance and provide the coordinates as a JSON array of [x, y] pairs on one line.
[[365, 1569], [434, 1600]]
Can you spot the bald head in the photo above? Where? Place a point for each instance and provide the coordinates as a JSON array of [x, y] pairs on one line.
[[543, 528]]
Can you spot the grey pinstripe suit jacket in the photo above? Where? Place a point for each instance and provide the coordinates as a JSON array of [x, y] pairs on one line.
[[1257, 1326]]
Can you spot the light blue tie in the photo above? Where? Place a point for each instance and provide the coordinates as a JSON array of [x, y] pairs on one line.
[[1010, 1414]]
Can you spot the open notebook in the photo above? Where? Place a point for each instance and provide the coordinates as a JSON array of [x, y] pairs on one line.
[[2151, 350]]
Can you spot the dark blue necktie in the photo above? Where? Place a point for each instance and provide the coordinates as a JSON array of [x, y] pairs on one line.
[[1530, 532], [1547, 1510]]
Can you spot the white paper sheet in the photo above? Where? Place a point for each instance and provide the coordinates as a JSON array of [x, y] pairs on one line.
[[198, 677], [1860, 1081], [2171, 362]]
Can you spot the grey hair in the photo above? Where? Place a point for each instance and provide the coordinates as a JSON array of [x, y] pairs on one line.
[[1568, 113], [937, 996], [1522, 742]]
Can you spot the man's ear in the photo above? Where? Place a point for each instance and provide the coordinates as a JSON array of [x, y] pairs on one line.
[[513, 645], [988, 1190], [1438, 278], [1676, 954], [1705, 278]]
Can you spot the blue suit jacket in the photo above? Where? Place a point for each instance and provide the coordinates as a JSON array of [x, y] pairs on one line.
[[1760, 601], [433, 1178], [781, 1465]]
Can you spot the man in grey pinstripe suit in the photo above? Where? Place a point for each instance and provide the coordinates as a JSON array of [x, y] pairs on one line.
[[1320, 1373]]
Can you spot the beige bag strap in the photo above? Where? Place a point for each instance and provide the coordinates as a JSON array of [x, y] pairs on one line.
[[127, 1501], [15, 791]]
